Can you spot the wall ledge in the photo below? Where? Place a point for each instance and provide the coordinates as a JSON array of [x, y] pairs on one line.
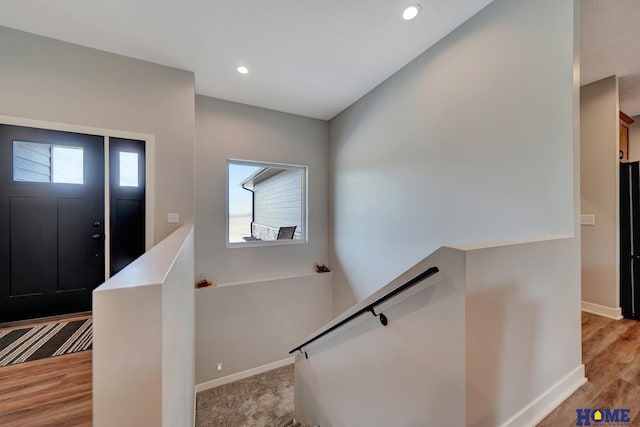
[[512, 242], [265, 280], [549, 400], [601, 310]]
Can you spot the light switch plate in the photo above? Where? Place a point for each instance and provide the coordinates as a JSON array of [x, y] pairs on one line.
[[173, 218], [587, 220]]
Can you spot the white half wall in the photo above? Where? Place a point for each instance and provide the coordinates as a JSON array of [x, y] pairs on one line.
[[409, 373], [178, 336], [523, 331], [498, 328], [600, 191], [50, 80], [470, 142], [143, 339], [245, 326]]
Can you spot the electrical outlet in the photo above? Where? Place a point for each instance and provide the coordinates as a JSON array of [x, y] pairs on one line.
[[173, 218], [219, 367], [587, 219]]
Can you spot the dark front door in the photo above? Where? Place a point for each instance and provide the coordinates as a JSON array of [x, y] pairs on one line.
[[51, 221]]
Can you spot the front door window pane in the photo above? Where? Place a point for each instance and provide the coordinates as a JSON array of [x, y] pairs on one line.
[[67, 165], [41, 162], [31, 162]]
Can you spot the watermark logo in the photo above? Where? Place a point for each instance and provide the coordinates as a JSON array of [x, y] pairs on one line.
[[603, 417]]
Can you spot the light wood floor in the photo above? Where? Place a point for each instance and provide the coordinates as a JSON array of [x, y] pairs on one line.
[[611, 355], [47, 393]]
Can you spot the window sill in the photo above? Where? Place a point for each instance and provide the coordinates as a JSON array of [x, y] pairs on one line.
[[262, 243]]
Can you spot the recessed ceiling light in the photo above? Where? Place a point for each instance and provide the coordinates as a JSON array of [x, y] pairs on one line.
[[411, 12], [242, 69]]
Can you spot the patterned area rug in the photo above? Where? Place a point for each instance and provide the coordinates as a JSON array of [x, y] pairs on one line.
[[39, 342], [258, 401]]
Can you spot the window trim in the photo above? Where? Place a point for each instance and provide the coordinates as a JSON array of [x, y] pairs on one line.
[[304, 205]]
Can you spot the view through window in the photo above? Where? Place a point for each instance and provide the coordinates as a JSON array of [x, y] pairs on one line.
[[266, 203], [38, 162]]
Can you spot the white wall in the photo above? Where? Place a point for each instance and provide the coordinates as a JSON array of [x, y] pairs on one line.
[[229, 130], [143, 339], [251, 325], [246, 326], [523, 335], [410, 373], [475, 140], [178, 337], [472, 141], [599, 182], [46, 79]]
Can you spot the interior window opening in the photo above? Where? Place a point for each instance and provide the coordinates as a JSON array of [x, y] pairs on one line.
[[266, 203]]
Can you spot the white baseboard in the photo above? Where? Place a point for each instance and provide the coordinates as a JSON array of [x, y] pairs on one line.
[[601, 310], [244, 374], [544, 404]]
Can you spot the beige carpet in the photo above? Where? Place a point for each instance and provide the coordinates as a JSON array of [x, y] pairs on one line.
[[259, 401]]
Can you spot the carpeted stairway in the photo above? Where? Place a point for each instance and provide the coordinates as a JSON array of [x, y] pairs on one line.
[[258, 401]]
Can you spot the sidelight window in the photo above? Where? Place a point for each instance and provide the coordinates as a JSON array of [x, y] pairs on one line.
[[128, 169]]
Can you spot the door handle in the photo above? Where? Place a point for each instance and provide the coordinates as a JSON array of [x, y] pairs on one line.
[[96, 236]]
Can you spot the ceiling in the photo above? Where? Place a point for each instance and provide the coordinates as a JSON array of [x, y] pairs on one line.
[[610, 44], [311, 57]]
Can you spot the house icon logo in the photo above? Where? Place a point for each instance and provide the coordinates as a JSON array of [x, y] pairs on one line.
[[608, 417], [597, 415]]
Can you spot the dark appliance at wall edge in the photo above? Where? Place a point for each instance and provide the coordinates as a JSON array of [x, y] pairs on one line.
[[630, 239]]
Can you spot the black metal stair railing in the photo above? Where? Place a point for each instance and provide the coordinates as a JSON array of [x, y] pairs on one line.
[[370, 308]]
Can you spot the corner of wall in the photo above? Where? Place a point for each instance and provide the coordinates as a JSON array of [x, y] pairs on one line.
[[599, 190]]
